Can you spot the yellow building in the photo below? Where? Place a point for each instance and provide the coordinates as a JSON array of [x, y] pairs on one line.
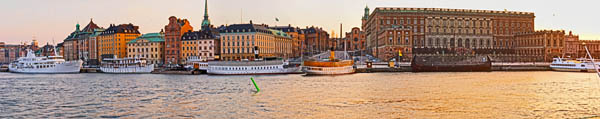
[[149, 46], [239, 41], [113, 41]]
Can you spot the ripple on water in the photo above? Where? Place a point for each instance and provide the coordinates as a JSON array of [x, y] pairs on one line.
[[373, 95]]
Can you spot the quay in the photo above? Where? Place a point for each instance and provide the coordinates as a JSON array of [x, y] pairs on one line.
[[377, 67], [496, 66]]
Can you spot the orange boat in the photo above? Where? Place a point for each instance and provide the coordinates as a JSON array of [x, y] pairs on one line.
[[331, 66]]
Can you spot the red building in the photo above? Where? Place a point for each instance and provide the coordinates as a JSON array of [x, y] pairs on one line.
[[173, 32]]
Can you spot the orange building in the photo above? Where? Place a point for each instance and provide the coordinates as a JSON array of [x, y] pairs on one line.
[[173, 32], [355, 42], [113, 40]]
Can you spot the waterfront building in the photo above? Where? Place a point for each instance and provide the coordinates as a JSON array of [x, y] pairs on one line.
[[438, 31], [355, 42], [3, 56], [239, 41], [317, 40], [46, 50], [113, 41], [539, 46], [87, 48], [203, 44], [11, 53], [81, 44], [149, 46], [173, 32], [298, 37], [60, 48], [574, 47], [70, 45]]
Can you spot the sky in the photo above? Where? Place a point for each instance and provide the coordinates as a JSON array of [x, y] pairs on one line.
[[51, 21]]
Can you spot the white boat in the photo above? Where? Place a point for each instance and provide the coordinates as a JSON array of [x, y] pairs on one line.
[[126, 65], [196, 63], [572, 65], [252, 67], [330, 66], [45, 65]]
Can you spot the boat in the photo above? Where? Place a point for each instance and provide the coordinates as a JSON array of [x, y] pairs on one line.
[[44, 65], [317, 65], [254, 67], [576, 65], [126, 65], [572, 65], [196, 63], [451, 63]]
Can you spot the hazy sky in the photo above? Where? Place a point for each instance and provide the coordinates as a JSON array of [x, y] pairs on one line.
[[55, 19]]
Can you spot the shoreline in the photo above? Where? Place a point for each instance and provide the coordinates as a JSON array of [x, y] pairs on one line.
[[377, 67]]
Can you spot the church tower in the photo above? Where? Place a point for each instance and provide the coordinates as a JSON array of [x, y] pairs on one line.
[[205, 22], [365, 17]]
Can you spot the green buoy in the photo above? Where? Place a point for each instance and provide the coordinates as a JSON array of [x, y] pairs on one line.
[[256, 86]]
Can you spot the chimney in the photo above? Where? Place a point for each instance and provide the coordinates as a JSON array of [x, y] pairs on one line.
[[250, 21]]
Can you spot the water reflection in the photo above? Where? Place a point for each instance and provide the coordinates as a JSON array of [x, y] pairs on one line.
[[371, 95]]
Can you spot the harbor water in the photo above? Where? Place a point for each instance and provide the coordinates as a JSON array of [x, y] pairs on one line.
[[543, 94]]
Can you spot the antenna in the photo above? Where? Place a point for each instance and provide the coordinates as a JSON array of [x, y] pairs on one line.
[[241, 13]]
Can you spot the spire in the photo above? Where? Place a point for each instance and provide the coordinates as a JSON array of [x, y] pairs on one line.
[[206, 21], [366, 16]]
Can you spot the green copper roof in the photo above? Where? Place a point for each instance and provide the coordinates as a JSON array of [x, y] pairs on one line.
[[279, 33], [151, 37]]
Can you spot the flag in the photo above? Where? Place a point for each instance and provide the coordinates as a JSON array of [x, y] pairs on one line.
[[276, 19]]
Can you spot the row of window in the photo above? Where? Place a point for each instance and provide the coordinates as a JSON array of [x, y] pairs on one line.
[[144, 49], [193, 42], [246, 68], [145, 55], [200, 48], [198, 54]]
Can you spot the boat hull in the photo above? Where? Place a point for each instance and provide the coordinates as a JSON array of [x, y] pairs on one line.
[[290, 70], [64, 68], [455, 64], [311, 70], [128, 70]]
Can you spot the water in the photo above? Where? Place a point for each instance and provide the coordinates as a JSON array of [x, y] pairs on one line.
[[367, 95]]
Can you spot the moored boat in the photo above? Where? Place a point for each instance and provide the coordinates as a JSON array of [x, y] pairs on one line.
[[44, 65], [126, 65], [451, 63], [330, 66], [256, 67], [572, 65], [196, 63]]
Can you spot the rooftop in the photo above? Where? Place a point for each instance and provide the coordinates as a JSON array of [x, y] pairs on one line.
[[151, 37]]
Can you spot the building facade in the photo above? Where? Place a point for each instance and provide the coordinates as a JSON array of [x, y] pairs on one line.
[[70, 45], [539, 46], [448, 31], [574, 47], [113, 41], [240, 41], [203, 44], [317, 40], [173, 32], [298, 37], [355, 42], [149, 46]]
